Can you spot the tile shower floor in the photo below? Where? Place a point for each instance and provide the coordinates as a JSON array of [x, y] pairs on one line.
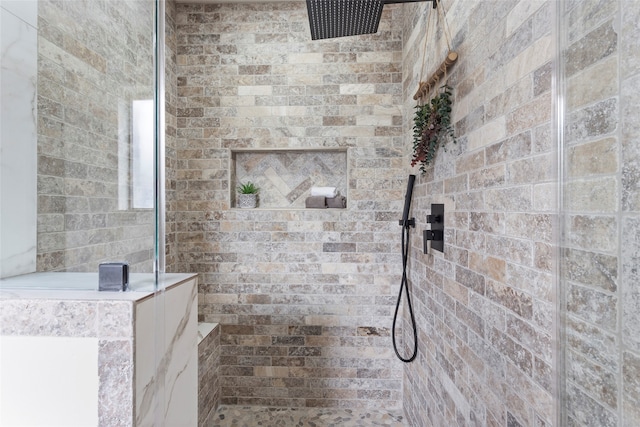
[[257, 416]]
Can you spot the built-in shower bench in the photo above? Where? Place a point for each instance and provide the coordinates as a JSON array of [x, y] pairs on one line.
[[208, 371], [85, 357]]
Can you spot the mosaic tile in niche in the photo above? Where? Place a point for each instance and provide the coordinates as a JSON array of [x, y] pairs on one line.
[[285, 178]]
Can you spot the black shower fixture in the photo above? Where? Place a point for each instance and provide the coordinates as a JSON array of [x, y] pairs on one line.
[[339, 18], [436, 234]]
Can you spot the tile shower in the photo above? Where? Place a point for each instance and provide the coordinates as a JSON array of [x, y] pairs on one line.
[[485, 307], [528, 318], [305, 298], [600, 296]]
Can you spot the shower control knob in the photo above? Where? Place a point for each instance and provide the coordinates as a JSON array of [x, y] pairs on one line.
[[435, 235], [434, 219]]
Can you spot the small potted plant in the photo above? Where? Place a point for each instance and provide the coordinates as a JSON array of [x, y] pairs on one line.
[[247, 195]]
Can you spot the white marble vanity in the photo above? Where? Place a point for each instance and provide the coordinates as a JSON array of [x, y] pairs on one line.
[[76, 356]]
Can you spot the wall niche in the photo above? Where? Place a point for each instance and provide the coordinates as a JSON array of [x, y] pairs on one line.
[[285, 176]]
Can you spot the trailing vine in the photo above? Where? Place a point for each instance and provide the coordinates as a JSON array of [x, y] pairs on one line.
[[432, 128]]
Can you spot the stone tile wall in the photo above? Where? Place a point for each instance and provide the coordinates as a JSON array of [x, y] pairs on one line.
[[600, 253], [94, 58], [305, 298], [171, 141], [484, 306]]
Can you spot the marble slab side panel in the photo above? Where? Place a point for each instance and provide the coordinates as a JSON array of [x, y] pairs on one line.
[[26, 10], [181, 356], [146, 363], [167, 382]]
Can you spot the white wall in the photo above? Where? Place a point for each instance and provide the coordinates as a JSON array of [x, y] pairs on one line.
[[48, 381]]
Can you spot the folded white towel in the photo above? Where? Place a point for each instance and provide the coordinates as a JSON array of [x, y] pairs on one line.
[[324, 191]]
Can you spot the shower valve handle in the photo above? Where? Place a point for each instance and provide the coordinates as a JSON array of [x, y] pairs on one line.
[[435, 235], [434, 219]]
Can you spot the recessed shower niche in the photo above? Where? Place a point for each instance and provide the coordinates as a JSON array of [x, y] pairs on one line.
[[285, 176]]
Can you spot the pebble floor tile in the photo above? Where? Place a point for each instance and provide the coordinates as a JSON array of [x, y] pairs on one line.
[[256, 416]]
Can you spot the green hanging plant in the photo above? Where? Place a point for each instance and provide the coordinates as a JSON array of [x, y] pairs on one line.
[[432, 128]]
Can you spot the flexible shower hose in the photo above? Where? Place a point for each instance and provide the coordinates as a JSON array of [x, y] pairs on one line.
[[404, 284]]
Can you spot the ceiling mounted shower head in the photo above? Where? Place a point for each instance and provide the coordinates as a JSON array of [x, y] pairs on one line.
[[340, 18]]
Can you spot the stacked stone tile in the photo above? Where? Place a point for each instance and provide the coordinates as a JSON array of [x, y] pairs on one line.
[[304, 298], [485, 305], [90, 69]]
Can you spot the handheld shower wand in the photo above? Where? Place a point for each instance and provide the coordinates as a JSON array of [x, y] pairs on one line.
[[406, 224]]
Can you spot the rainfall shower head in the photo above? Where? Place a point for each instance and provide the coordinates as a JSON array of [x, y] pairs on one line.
[[340, 18]]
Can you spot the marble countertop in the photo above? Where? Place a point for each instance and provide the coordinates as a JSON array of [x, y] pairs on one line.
[[84, 286]]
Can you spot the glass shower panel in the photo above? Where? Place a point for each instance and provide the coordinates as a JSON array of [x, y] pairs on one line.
[[599, 296], [79, 150], [95, 91], [18, 137]]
